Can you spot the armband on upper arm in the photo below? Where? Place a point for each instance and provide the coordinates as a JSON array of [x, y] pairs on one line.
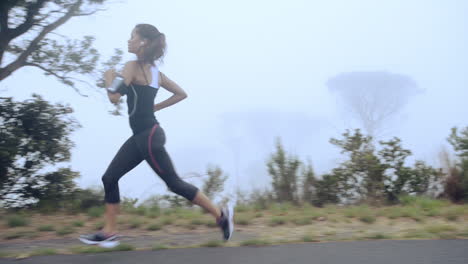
[[118, 86]]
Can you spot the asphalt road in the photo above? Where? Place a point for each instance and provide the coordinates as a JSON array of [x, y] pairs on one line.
[[360, 252]]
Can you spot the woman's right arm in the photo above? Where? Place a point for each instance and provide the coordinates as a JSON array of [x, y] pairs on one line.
[[110, 75]]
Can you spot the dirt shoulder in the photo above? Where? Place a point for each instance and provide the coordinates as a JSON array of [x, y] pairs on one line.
[[278, 225]]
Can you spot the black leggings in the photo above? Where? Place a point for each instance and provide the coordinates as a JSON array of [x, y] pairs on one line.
[[147, 145]]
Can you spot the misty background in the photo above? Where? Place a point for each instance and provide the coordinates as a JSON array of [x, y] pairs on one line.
[[258, 70]]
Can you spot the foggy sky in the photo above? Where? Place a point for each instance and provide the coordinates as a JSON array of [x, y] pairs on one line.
[[257, 70]]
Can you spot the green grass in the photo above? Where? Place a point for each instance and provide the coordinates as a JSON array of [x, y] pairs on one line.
[[15, 235], [95, 212], [409, 211], [140, 210], [5, 254], [440, 228], [432, 212], [17, 221], [447, 235], [135, 223], [44, 252], [153, 214], [330, 209], [368, 219], [211, 223], [413, 212], [197, 222], [188, 214], [416, 233], [463, 234], [242, 220], [32, 234], [99, 225], [378, 236], [21, 234], [309, 238], [65, 230], [417, 206], [255, 242], [91, 249], [46, 228], [169, 211], [159, 247], [277, 220], [154, 227], [302, 221], [242, 208], [167, 220], [392, 212], [453, 213], [78, 223], [363, 212], [313, 214], [354, 211], [191, 227], [261, 205], [423, 203], [212, 243], [282, 208]]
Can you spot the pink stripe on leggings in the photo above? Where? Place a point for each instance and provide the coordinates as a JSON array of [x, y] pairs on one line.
[[150, 139]]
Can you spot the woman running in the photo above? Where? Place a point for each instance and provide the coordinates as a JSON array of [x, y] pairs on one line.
[[140, 81]]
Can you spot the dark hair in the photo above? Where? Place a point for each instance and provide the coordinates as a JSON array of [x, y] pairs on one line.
[[156, 46]]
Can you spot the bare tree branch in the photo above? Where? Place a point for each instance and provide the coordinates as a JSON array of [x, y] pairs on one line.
[[38, 20], [44, 69], [58, 34], [373, 98], [19, 62], [81, 81], [63, 78], [90, 13]]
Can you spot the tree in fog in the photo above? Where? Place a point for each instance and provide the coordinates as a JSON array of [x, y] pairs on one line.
[[34, 135], [456, 181], [214, 184], [372, 98], [28, 39], [284, 172]]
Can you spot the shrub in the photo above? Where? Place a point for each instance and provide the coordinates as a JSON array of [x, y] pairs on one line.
[[46, 228], [275, 221], [65, 230], [17, 220], [95, 212]]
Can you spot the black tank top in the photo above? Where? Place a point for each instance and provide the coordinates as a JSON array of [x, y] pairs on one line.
[[140, 102]]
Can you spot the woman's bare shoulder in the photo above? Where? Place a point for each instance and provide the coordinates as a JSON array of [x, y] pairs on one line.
[[132, 64]]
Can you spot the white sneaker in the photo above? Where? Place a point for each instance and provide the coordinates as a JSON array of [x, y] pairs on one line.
[[226, 222], [101, 239]]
